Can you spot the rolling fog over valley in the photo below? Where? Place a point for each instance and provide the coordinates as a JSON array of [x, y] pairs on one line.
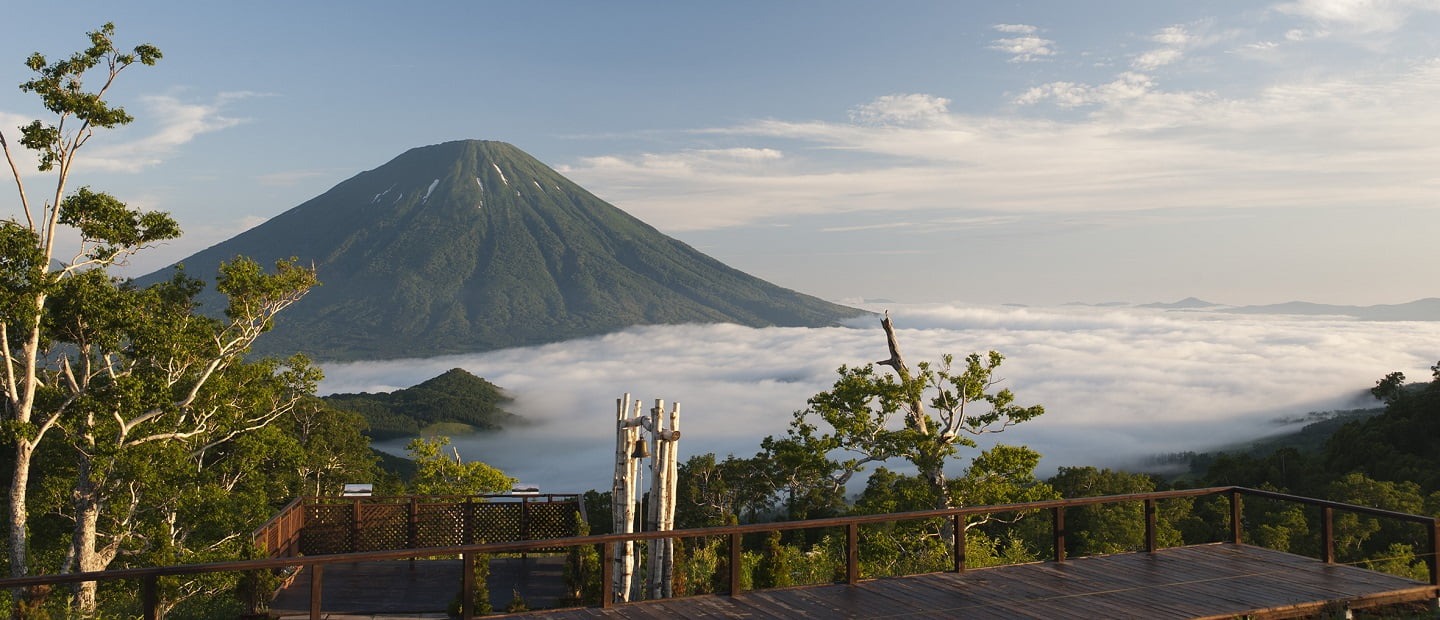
[[1118, 384]]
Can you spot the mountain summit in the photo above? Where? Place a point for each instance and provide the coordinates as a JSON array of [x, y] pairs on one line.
[[475, 245]]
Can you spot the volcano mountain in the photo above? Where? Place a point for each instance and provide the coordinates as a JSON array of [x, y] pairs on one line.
[[475, 245]]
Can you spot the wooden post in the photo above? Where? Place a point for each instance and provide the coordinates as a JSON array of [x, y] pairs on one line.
[[1059, 530], [316, 573], [736, 558], [1236, 518], [1150, 526], [467, 586], [411, 525], [607, 575], [1434, 561], [1327, 534], [150, 595], [467, 526], [958, 523], [355, 526]]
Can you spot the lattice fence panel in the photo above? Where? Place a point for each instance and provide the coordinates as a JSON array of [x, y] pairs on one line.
[[327, 529], [383, 527], [439, 525], [497, 522], [552, 519]]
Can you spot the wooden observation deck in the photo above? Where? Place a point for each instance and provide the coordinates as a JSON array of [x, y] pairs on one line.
[[1221, 579]]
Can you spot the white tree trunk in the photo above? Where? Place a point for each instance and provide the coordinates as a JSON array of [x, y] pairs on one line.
[[622, 495], [19, 515], [671, 483], [85, 538]]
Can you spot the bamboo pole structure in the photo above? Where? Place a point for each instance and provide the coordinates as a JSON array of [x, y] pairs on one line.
[[627, 431]]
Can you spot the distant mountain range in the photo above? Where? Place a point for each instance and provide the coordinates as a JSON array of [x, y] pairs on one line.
[[474, 245], [1420, 310], [1427, 309], [1189, 303]]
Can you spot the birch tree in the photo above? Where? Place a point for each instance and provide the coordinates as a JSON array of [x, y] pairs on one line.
[[34, 401], [100, 369]]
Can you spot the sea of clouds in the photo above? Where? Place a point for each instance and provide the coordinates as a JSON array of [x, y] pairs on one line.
[[1118, 384]]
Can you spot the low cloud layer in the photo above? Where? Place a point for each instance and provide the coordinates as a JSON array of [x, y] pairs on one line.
[[1117, 384]]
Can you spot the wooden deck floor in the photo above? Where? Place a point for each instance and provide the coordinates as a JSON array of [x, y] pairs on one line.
[[421, 589], [1218, 580]]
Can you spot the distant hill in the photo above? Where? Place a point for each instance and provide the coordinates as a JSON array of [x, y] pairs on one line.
[[474, 245], [1420, 310], [456, 397]]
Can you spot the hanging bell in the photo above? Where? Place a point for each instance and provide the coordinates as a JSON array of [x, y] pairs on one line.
[[641, 451]]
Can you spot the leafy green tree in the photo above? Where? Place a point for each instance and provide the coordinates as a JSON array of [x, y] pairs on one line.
[[1109, 528], [123, 387], [708, 492], [773, 569], [871, 417], [438, 473], [28, 272]]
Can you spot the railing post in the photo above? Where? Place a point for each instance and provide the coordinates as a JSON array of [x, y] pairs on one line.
[[355, 526], [852, 554], [299, 530], [150, 595], [1059, 527], [607, 575], [467, 585], [736, 556], [316, 571], [1327, 534], [524, 518], [1150, 526], [411, 525], [467, 527], [1236, 518], [1434, 552], [958, 525]]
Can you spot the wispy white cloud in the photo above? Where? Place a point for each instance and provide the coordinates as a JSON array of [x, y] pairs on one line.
[[1356, 16], [867, 227], [1025, 48], [902, 109], [1117, 384], [1127, 144], [173, 123], [1173, 41]]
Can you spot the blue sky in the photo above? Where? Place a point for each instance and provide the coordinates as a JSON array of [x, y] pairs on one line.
[[1029, 152]]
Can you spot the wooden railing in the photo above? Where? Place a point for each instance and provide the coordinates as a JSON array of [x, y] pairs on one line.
[[315, 565], [327, 525]]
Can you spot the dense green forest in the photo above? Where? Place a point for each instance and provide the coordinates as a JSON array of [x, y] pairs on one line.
[[466, 402]]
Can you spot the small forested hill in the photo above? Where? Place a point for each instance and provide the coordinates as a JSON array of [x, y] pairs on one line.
[[474, 245], [455, 397]]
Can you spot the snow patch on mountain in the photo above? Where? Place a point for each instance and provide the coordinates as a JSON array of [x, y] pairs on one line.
[[377, 196]]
